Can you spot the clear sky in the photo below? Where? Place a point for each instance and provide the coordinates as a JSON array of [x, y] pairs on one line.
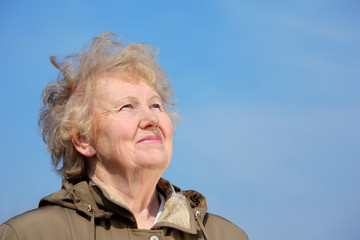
[[268, 90]]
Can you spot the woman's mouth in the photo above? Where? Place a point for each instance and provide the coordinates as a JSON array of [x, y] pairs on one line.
[[154, 138]]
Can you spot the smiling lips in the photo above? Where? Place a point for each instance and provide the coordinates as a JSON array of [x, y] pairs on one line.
[[151, 139]]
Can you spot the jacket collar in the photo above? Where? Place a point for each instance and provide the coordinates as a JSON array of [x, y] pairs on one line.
[[179, 210]]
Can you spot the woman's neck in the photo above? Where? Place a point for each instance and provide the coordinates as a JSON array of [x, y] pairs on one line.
[[137, 192]]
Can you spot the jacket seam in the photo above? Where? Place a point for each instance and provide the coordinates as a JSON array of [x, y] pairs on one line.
[[17, 237], [67, 216]]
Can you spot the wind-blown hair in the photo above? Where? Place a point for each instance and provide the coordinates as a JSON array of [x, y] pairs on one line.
[[67, 102]]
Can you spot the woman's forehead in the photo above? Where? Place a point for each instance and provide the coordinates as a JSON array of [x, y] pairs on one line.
[[118, 87], [126, 76]]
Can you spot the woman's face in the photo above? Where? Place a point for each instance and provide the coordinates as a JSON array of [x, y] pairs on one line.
[[131, 128]]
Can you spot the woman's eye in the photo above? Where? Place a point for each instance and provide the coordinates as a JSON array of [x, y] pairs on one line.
[[155, 106], [125, 106]]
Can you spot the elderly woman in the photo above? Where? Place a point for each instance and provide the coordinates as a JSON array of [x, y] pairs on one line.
[[108, 123]]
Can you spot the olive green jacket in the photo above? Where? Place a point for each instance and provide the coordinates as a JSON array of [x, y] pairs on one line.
[[84, 211]]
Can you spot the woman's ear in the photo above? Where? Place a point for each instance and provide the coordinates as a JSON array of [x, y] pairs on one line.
[[83, 146]]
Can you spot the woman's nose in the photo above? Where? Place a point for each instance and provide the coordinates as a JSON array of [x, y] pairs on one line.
[[148, 118]]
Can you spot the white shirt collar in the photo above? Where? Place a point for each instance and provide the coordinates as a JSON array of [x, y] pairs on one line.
[[161, 208]]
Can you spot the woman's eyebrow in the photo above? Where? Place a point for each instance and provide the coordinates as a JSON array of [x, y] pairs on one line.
[[155, 97], [124, 99]]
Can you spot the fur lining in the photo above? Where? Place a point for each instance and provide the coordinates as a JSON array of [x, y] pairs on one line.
[[176, 210]]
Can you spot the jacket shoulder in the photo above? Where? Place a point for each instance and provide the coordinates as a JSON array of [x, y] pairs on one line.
[[220, 228], [45, 222]]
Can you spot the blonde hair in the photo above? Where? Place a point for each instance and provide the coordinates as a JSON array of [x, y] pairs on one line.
[[67, 109]]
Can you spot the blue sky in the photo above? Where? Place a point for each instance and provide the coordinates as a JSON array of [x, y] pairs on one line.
[[268, 91]]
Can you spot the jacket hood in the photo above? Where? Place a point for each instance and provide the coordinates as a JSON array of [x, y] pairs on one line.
[[181, 210]]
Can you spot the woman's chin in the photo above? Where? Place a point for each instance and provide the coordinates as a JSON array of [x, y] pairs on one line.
[[153, 161]]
